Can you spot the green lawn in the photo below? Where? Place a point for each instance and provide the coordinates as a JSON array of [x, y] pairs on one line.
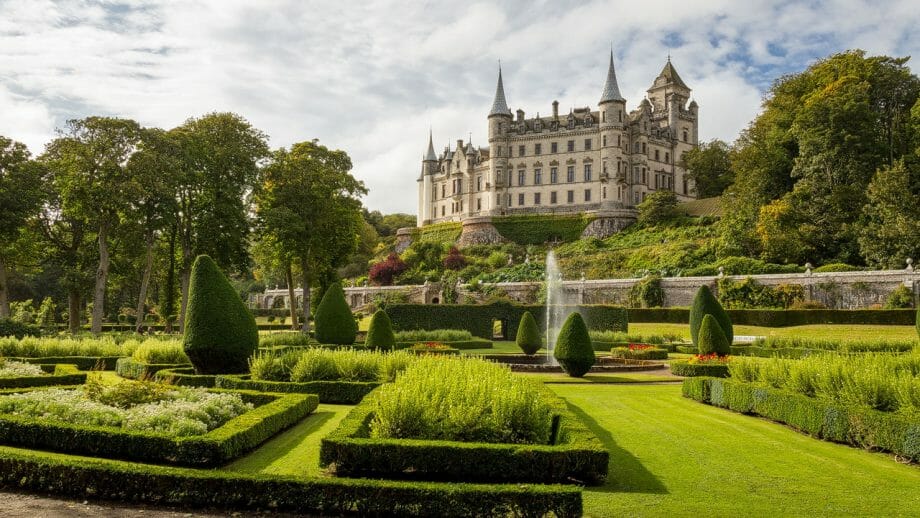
[[832, 332], [671, 456]]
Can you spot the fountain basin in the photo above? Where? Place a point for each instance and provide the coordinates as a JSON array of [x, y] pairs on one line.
[[539, 363]]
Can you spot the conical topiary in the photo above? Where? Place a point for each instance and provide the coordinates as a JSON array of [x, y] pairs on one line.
[[712, 339], [528, 334], [380, 332], [220, 333], [334, 322], [573, 347], [705, 303]]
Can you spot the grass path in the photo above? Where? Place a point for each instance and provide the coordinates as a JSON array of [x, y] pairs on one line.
[[671, 456]]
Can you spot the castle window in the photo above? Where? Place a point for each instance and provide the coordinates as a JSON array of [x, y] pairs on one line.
[[644, 151], [570, 196], [685, 135], [657, 158], [554, 147], [443, 210], [537, 176], [587, 194], [604, 116], [570, 174], [537, 149], [553, 175], [667, 157], [443, 189], [478, 183], [637, 198], [507, 200], [509, 177], [552, 198], [536, 198], [644, 176], [521, 199], [571, 146], [604, 141], [587, 144], [522, 177], [478, 204], [620, 115], [521, 150], [618, 141], [605, 192], [587, 172], [685, 185]]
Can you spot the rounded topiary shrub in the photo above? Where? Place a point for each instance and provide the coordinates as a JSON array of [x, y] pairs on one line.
[[334, 322], [220, 333], [380, 332], [573, 347], [712, 339], [705, 303], [528, 334]]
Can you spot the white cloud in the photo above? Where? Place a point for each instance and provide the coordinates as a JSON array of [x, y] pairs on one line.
[[370, 78]]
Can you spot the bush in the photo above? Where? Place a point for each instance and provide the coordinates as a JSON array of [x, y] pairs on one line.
[[334, 322], [711, 339], [704, 303], [384, 272], [751, 294], [901, 297], [777, 343], [573, 347], [687, 369], [659, 207], [633, 352], [160, 351], [328, 392], [380, 333], [528, 335], [836, 267], [10, 327], [647, 293], [220, 333], [434, 335]]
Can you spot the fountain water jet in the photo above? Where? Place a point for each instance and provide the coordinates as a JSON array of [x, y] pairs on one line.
[[558, 305]]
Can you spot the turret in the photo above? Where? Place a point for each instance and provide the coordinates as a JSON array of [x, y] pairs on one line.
[[499, 122], [612, 108], [429, 168]]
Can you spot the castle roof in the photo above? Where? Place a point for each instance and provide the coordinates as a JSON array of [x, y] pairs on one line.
[[499, 105], [611, 88], [669, 75], [430, 155]]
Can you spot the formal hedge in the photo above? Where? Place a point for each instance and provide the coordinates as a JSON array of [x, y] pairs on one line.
[[186, 377], [575, 455], [528, 337], [573, 348], [783, 317], [240, 435], [380, 332], [783, 352], [477, 319], [335, 392], [463, 345], [705, 303], [539, 229], [334, 323], [655, 353], [690, 370], [135, 370], [80, 477], [56, 375], [83, 363], [711, 339], [820, 418], [686, 349]]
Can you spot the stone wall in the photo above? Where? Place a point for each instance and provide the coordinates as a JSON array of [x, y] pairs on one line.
[[479, 231]]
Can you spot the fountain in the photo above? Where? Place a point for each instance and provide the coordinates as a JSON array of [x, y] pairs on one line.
[[558, 305]]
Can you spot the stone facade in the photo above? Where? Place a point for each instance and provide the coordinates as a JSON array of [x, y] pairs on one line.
[[479, 230], [608, 158]]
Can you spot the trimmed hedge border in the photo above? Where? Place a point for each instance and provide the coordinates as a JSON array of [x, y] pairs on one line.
[[463, 345], [644, 354], [334, 392], [185, 377], [83, 363], [60, 374], [236, 437], [686, 349], [477, 319], [682, 368], [783, 317], [67, 475], [863, 427], [578, 454], [133, 369]]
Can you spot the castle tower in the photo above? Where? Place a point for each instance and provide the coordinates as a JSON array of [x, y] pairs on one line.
[[429, 168], [499, 123], [669, 93], [612, 108]]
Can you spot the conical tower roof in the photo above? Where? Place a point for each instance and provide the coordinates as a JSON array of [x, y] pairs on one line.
[[430, 154], [669, 75], [611, 88], [499, 105]]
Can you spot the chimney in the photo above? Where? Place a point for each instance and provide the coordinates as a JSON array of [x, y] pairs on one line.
[[520, 115], [555, 109]]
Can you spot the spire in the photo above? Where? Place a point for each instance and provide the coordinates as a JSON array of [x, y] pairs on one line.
[[611, 89], [430, 155], [499, 105], [669, 74]]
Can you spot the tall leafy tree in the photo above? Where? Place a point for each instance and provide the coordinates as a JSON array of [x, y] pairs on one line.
[[891, 232], [710, 168], [20, 198], [309, 204]]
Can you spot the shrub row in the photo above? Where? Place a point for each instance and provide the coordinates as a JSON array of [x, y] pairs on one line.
[[784, 317], [575, 455], [239, 435], [654, 353], [57, 375], [463, 345], [83, 363], [847, 346], [686, 349], [690, 370], [334, 392], [814, 416], [186, 377], [135, 370], [65, 475], [477, 319]]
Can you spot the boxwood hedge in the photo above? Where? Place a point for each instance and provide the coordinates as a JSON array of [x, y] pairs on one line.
[[335, 392], [67, 475], [84, 363], [463, 345], [57, 375], [236, 437], [820, 418], [682, 368], [185, 377], [135, 370], [576, 455], [783, 317], [654, 353]]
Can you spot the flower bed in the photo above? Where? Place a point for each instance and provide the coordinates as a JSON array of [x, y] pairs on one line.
[[433, 348], [702, 365], [84, 426], [45, 375], [639, 352]]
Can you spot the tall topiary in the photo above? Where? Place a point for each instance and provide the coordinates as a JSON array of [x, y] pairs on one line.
[[705, 303], [220, 333], [528, 334], [380, 332], [712, 339], [334, 322], [573, 347]]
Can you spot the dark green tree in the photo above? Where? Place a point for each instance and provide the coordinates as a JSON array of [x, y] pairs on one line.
[[335, 323], [891, 231], [658, 207], [711, 338], [710, 168], [705, 303], [220, 332], [380, 333], [573, 347], [528, 334]]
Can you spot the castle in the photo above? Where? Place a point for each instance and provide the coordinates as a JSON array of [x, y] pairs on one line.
[[605, 161]]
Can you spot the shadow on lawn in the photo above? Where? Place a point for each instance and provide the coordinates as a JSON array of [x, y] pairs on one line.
[[625, 473]]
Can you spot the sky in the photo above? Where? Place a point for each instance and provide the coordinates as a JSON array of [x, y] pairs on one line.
[[372, 79]]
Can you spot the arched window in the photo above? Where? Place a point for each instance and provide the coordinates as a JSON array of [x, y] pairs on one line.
[[685, 135]]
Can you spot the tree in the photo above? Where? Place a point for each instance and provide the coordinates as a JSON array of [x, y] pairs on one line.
[[710, 168], [384, 272], [704, 303], [380, 332], [309, 203], [711, 338], [20, 199], [335, 323], [891, 232], [658, 207], [528, 334], [573, 347]]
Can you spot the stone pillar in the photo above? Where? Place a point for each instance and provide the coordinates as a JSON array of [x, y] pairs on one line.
[[479, 230], [403, 239], [609, 221]]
